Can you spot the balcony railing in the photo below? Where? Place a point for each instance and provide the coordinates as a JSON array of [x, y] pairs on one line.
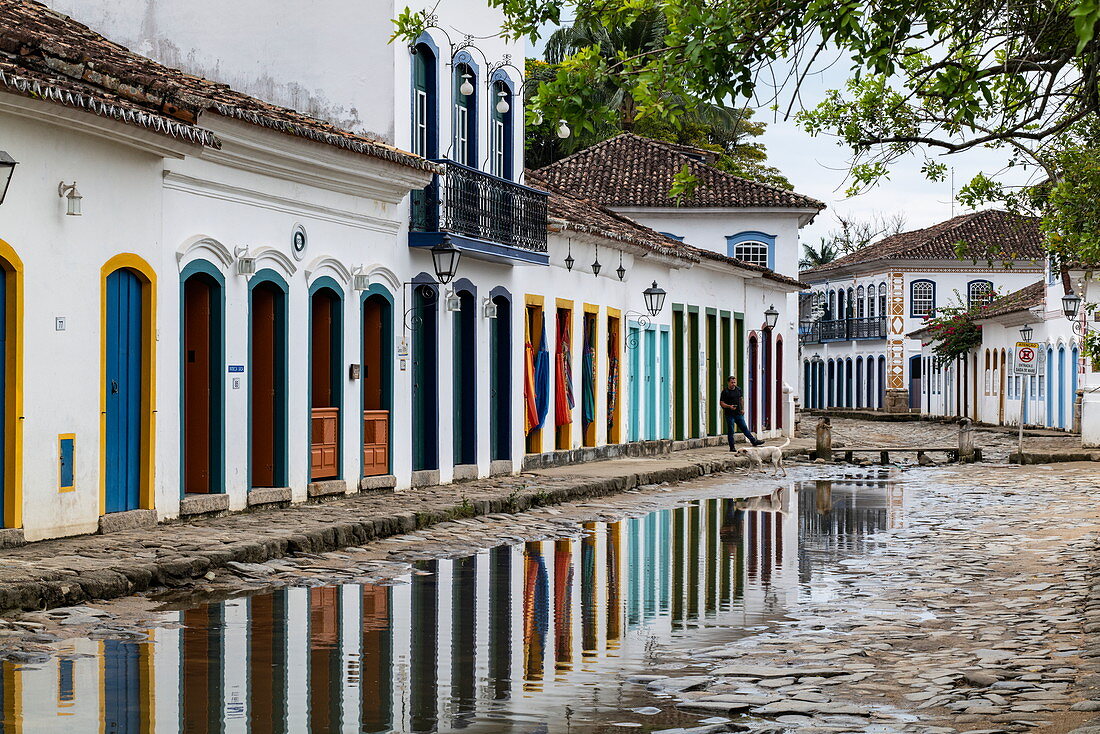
[[833, 330], [471, 203]]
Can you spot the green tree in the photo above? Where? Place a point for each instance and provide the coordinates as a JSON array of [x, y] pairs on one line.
[[926, 76], [813, 257]]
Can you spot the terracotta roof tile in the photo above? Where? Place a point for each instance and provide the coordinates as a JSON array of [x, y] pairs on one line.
[[989, 235], [629, 170], [48, 55], [1021, 300]]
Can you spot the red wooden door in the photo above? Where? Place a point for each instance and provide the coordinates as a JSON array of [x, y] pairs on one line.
[[196, 385], [263, 386], [324, 429], [376, 444]]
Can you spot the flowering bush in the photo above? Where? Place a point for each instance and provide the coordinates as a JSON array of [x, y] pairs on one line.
[[954, 333]]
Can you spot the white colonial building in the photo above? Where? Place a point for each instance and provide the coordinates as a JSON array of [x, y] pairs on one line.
[[219, 288], [860, 309]]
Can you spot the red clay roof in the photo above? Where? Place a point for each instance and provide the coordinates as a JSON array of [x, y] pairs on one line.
[[48, 55], [1021, 300], [988, 235], [631, 171]]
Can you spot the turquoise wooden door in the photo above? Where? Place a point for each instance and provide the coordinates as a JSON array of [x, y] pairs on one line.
[[663, 385], [650, 385], [635, 399], [123, 389]]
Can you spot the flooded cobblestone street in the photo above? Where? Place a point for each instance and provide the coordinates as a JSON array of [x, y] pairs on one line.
[[838, 599]]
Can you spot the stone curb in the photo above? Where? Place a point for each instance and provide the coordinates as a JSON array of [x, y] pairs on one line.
[[1052, 457], [55, 589]]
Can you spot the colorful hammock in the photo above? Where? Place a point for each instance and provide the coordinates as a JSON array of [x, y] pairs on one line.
[[563, 393]]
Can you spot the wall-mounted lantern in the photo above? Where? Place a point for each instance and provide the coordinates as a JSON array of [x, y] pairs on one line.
[[1026, 333], [7, 168], [654, 298], [246, 264], [488, 308], [1071, 305], [445, 258], [771, 316], [72, 198]]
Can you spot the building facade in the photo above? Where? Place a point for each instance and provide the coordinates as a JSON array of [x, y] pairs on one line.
[[859, 311], [230, 303]]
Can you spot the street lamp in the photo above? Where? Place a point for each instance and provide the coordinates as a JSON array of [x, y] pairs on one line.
[[445, 257], [654, 299], [1026, 333], [72, 198], [771, 316], [7, 168], [1071, 304]]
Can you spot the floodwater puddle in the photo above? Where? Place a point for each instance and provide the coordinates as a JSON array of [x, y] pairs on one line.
[[532, 637]]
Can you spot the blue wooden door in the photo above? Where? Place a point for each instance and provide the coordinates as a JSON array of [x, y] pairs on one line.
[[650, 386], [663, 388], [123, 388], [633, 403]]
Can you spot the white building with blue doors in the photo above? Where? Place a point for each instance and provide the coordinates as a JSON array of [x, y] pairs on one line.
[[984, 386], [214, 301], [860, 309]]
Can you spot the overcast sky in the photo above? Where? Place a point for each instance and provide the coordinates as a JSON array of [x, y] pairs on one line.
[[818, 166]]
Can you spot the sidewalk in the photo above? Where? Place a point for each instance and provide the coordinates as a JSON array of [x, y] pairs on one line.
[[68, 571]]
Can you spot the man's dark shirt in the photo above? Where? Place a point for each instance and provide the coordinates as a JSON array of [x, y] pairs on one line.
[[732, 397]]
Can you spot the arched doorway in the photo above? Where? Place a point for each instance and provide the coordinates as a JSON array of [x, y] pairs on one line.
[[1061, 394], [779, 382], [464, 375], [808, 383], [425, 375], [11, 393], [377, 375], [128, 330], [767, 370], [859, 382], [750, 388], [848, 382], [202, 362], [500, 377], [268, 380], [830, 398], [914, 382], [326, 379]]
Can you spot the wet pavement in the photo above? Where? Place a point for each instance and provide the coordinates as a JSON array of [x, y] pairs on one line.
[[842, 599]]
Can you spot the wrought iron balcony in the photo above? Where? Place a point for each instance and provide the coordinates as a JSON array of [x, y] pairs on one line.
[[485, 215], [835, 330]]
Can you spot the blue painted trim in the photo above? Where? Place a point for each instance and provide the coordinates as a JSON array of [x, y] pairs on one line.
[[490, 250], [426, 42], [282, 454], [934, 294], [464, 285], [328, 283], [218, 377], [763, 238], [473, 102], [678, 237]]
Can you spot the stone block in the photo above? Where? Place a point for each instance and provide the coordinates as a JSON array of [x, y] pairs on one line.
[[203, 504], [425, 478], [500, 467], [268, 496], [465, 472], [327, 487], [382, 481], [12, 538], [130, 520]]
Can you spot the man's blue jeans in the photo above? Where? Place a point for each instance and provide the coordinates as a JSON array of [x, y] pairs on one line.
[[735, 422]]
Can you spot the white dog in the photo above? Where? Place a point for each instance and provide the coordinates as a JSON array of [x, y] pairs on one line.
[[773, 455]]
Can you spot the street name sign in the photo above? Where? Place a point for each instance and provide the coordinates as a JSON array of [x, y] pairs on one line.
[[1027, 358]]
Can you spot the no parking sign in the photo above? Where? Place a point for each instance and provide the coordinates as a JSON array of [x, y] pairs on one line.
[[1027, 358]]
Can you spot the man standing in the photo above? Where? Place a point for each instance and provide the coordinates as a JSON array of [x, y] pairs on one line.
[[732, 401]]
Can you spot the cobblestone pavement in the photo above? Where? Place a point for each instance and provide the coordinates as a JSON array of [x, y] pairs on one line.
[[70, 571], [979, 613]]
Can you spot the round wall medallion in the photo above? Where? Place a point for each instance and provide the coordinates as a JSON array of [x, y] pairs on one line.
[[298, 242]]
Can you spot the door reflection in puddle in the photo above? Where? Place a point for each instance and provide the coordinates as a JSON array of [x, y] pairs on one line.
[[505, 639]]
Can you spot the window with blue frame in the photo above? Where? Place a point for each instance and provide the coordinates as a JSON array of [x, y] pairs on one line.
[[464, 116], [679, 237], [425, 140], [755, 248], [922, 298], [500, 133], [979, 293]]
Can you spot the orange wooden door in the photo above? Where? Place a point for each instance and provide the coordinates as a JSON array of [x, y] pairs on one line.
[[324, 429], [376, 442]]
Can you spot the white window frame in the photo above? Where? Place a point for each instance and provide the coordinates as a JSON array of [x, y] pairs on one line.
[[757, 255], [926, 302], [496, 156], [420, 123], [979, 292], [462, 134]]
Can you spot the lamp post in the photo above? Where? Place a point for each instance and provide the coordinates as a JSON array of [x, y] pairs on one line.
[[654, 297], [1026, 333]]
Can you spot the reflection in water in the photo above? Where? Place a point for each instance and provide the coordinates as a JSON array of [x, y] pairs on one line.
[[510, 636]]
